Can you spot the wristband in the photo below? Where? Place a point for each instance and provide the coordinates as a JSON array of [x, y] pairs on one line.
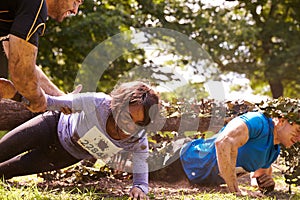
[[19, 98], [25, 101], [141, 187]]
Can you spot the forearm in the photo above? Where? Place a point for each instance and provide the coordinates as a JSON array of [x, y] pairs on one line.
[[231, 139], [76, 102], [57, 102], [22, 57], [47, 85], [227, 162], [140, 165]]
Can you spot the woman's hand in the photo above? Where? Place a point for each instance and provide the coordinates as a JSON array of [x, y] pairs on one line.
[[136, 193]]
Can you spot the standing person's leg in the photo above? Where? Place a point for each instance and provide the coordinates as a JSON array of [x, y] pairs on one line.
[[33, 147], [3, 70], [3, 62]]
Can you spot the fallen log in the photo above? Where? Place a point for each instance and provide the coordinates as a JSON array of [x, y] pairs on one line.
[[14, 113], [182, 124]]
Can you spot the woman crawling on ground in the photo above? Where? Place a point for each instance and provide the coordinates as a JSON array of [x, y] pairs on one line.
[[51, 140]]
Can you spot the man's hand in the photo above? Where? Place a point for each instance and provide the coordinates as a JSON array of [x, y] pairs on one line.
[[77, 89], [21, 65], [265, 183], [38, 104], [233, 188], [136, 193], [67, 110], [8, 91]]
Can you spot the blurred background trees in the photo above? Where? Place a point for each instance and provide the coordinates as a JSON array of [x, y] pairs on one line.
[[258, 39]]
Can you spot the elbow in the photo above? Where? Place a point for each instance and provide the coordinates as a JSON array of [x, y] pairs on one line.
[[223, 146], [220, 148], [219, 144]]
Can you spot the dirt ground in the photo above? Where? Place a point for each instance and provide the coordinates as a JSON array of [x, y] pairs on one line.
[[119, 186], [113, 187]]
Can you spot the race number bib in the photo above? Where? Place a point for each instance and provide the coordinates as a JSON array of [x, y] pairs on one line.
[[97, 144]]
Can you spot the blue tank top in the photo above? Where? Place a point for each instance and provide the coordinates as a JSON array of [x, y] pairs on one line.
[[199, 158]]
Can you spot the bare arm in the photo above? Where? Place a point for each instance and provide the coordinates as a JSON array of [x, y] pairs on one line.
[[47, 85], [45, 82], [21, 63], [233, 136]]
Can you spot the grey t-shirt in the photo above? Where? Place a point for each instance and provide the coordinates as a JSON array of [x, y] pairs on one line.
[[92, 110]]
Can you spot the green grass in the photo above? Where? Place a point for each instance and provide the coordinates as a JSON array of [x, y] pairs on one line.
[[33, 192], [2, 133], [27, 188]]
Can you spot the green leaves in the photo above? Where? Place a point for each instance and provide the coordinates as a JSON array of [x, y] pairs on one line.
[[282, 107]]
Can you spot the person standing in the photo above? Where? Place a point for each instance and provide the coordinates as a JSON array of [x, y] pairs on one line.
[[21, 24]]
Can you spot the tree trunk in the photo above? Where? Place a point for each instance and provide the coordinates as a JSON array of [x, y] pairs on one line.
[[181, 124], [276, 88], [15, 113]]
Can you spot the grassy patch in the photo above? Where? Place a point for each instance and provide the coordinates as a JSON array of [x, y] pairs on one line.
[[2, 133], [32, 191], [35, 188]]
